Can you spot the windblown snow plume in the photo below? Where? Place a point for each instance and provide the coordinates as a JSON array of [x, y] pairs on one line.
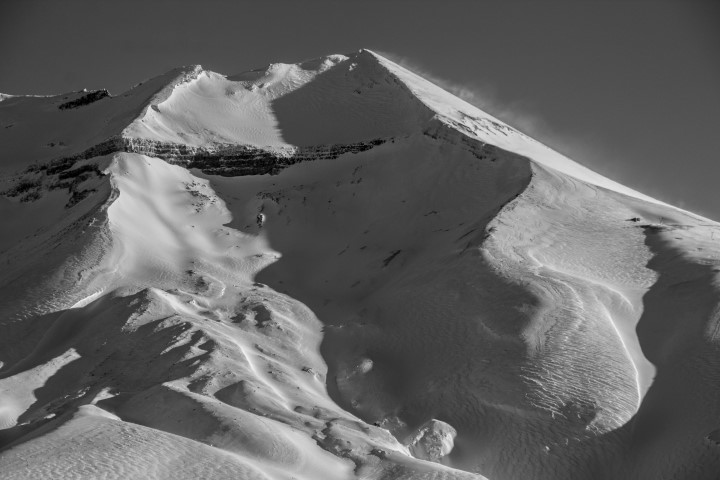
[[335, 270]]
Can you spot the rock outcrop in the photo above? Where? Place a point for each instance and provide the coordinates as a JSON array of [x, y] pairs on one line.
[[226, 160], [432, 441], [86, 99]]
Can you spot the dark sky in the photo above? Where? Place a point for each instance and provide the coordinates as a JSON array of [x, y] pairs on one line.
[[630, 89]]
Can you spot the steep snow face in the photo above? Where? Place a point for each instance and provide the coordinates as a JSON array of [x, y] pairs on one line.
[[170, 332], [335, 269], [436, 306], [486, 128], [212, 109], [336, 99]]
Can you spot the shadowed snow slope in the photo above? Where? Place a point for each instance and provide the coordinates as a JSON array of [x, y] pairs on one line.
[[332, 270]]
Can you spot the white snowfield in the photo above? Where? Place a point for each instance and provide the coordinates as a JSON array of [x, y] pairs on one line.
[[337, 270]]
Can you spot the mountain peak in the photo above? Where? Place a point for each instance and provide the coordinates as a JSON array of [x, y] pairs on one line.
[[328, 100]]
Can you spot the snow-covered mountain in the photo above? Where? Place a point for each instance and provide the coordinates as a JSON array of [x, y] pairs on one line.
[[335, 269]]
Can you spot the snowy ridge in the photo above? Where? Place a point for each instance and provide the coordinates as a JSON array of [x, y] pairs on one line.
[[335, 269], [229, 110], [177, 77], [459, 114]]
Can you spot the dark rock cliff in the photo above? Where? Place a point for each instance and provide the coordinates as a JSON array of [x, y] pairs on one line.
[[86, 99], [227, 160]]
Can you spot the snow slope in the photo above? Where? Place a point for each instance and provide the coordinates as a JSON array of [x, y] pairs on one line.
[[416, 291]]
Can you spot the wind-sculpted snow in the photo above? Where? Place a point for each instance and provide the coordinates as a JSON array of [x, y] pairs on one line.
[[336, 270], [181, 340]]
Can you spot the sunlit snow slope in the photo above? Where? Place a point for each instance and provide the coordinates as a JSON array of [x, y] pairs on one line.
[[336, 270]]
